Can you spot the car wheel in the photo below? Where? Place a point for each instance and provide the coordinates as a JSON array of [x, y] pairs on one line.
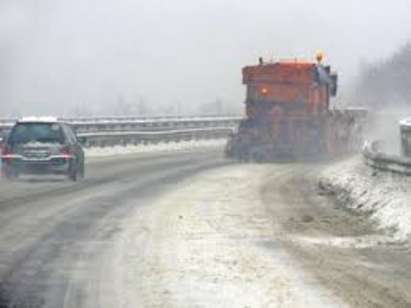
[[82, 170], [73, 172], [9, 172]]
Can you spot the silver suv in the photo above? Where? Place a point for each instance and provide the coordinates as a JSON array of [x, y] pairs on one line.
[[42, 146]]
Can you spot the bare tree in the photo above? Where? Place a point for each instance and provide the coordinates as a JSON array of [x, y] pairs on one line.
[[387, 84]]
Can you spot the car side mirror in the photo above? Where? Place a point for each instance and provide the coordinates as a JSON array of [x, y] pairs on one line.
[[82, 140], [3, 137]]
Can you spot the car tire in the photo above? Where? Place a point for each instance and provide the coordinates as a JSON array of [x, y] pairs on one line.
[[9, 173], [82, 170], [73, 171]]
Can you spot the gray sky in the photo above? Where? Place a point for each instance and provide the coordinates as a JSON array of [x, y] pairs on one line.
[[56, 54]]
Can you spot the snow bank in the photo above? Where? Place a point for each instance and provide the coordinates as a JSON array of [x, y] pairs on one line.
[[160, 147], [384, 196]]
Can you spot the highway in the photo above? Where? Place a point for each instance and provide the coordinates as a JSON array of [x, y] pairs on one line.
[[191, 229], [48, 227]]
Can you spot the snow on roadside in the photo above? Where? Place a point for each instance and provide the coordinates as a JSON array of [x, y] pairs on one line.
[[384, 196], [160, 147]]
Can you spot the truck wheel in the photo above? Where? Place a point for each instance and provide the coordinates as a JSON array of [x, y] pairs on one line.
[[258, 157]]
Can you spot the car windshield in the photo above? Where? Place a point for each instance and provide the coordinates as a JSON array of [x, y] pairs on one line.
[[36, 133]]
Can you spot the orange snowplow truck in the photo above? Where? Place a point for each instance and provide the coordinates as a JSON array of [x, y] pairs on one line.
[[288, 113]]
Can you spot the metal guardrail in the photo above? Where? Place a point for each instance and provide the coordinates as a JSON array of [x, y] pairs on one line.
[[110, 131], [114, 124], [153, 125], [103, 139], [95, 119], [376, 159], [144, 118]]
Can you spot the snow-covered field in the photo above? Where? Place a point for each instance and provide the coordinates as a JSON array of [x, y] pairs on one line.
[[384, 196], [160, 147]]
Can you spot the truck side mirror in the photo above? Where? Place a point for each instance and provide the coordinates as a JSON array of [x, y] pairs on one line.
[[334, 84]]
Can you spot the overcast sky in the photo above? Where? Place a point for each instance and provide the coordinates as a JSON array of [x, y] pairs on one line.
[[56, 54]]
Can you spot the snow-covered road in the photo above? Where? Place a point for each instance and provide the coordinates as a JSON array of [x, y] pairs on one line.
[[205, 244], [192, 229]]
